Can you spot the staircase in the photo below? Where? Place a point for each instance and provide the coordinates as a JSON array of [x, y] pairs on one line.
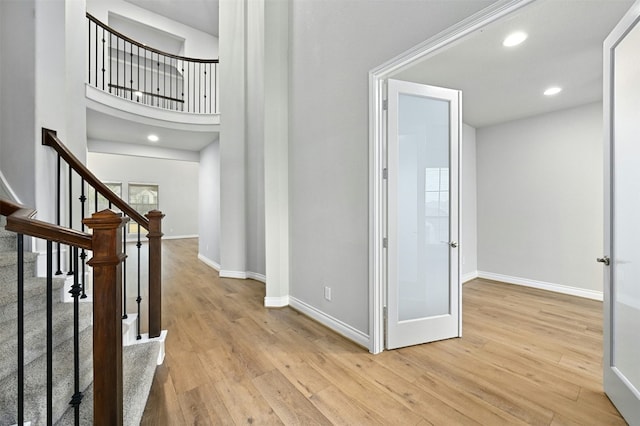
[[139, 360]]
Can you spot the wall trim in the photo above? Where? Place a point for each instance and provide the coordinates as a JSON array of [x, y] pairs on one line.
[[334, 324], [211, 263], [276, 302], [236, 274], [4, 184], [256, 276], [468, 277], [240, 275], [542, 285], [179, 237]]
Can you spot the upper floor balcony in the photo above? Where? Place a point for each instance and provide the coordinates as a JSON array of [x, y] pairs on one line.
[[126, 76]]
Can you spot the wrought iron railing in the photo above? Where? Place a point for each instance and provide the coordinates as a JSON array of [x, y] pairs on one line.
[[126, 68]]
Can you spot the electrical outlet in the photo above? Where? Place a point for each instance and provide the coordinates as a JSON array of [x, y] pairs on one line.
[[327, 293]]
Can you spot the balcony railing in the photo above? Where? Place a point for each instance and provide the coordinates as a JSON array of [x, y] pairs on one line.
[[129, 69]]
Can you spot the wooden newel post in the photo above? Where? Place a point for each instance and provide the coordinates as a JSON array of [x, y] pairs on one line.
[[155, 272], [107, 315]]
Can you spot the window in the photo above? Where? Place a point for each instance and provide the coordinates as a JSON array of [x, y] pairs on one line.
[[115, 187], [143, 198]]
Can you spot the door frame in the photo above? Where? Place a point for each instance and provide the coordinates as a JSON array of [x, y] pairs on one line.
[[377, 150], [622, 400]]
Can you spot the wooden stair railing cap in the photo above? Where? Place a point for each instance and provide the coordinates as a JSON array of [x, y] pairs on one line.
[[20, 219], [50, 138]]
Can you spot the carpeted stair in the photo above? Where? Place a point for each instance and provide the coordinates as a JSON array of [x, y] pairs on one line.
[[139, 361]]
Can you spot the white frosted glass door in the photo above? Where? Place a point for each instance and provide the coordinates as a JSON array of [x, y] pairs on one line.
[[423, 280], [622, 209]]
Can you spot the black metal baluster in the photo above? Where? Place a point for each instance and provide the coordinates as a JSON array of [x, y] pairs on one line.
[[103, 65], [58, 207], [124, 276], [20, 309], [117, 66], [158, 80], [171, 102], [70, 215], [138, 299], [164, 81], [138, 82], [182, 85], [83, 254], [49, 333], [76, 399], [145, 73], [205, 88], [110, 63], [95, 200], [131, 69]]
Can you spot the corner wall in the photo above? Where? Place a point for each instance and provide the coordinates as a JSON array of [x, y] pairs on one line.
[[334, 44], [209, 217], [540, 200], [469, 207]]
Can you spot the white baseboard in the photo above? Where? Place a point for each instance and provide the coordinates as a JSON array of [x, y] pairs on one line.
[[179, 237], [240, 275], [6, 188], [333, 323], [469, 276], [211, 263], [256, 276], [276, 302], [557, 288], [232, 274]]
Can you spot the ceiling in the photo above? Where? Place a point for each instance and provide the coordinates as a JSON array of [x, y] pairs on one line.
[[105, 127], [500, 84], [199, 14]]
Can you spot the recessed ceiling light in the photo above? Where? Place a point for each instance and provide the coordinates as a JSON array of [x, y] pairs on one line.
[[514, 39], [153, 138], [138, 94], [552, 91]]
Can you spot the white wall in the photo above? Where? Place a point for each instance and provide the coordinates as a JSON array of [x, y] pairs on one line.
[[334, 44], [540, 199], [209, 194], [197, 43], [178, 186], [469, 233], [17, 103]]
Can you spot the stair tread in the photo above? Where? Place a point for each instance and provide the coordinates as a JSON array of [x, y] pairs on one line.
[[32, 287], [35, 380], [138, 368], [10, 257], [35, 333]]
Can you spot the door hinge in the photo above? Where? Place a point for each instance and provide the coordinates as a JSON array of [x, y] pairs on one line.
[[385, 104], [385, 173], [385, 242]]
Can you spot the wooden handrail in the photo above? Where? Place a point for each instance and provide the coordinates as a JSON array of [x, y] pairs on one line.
[[150, 49], [20, 220], [50, 138]]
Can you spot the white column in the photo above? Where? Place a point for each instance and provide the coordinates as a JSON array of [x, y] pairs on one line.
[[276, 151]]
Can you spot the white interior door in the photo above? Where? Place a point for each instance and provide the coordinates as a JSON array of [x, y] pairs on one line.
[[622, 210], [423, 280]]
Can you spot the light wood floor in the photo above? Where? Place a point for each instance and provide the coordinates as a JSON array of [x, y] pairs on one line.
[[527, 357]]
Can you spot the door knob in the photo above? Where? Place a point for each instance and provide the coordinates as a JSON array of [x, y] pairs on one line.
[[604, 260], [453, 244]]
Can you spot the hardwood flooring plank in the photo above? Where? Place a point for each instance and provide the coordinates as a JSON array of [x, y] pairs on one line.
[[290, 405], [527, 357]]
